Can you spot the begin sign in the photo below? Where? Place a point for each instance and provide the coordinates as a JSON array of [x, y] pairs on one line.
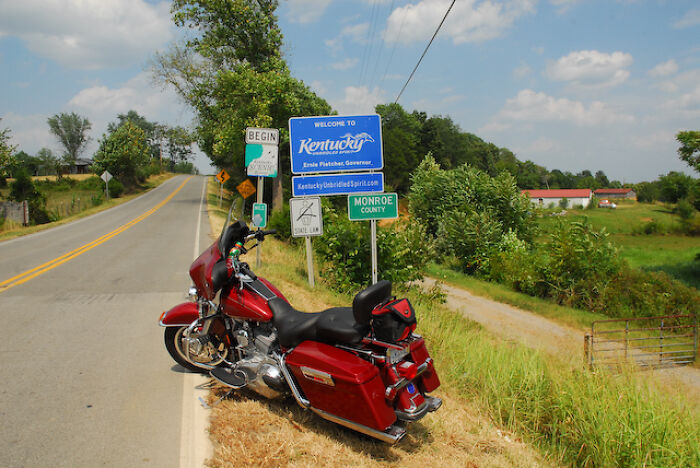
[[378, 206]]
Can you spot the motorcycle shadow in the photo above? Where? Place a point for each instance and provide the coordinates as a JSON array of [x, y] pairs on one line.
[[417, 434]]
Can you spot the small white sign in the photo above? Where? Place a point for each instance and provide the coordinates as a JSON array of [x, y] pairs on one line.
[[106, 176], [262, 136], [306, 215]]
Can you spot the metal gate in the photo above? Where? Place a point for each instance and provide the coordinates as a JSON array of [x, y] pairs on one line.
[[649, 342]]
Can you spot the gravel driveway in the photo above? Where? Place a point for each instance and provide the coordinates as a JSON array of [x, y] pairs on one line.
[[538, 332]]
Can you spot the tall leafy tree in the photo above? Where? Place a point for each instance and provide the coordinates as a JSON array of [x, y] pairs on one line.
[[6, 150], [232, 73], [123, 153], [71, 131], [689, 150], [401, 138]]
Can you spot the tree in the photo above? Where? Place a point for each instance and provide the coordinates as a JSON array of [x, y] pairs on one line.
[[676, 186], [689, 150], [6, 150], [400, 137], [232, 74], [232, 32], [123, 153], [71, 131], [48, 163]]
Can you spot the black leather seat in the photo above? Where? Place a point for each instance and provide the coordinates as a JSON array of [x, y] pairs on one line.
[[336, 325]]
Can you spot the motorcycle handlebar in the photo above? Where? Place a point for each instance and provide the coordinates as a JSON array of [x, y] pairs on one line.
[[259, 235]]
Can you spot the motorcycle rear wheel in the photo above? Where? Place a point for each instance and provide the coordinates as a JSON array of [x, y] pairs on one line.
[[175, 347]]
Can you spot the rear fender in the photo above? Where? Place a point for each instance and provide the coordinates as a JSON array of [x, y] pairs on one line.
[[180, 315]]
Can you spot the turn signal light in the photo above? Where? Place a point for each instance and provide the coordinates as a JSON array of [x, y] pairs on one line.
[[407, 370]]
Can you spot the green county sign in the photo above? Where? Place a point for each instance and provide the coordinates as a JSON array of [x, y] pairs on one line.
[[374, 206]]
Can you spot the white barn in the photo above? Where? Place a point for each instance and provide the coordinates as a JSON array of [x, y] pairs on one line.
[[546, 198]]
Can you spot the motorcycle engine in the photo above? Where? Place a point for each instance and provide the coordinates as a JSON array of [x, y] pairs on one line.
[[254, 345]]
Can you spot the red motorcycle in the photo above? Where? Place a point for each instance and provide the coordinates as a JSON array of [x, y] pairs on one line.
[[361, 366]]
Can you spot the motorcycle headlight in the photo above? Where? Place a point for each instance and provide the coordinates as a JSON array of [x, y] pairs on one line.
[[192, 294]]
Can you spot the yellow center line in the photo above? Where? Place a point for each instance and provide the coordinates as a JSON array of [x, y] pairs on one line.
[[50, 265]]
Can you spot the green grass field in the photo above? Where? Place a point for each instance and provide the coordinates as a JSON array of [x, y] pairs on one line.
[[671, 253]]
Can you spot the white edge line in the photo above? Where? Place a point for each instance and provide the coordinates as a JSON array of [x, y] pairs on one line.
[[195, 446]]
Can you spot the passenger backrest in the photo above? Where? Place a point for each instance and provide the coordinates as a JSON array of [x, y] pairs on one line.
[[368, 299]]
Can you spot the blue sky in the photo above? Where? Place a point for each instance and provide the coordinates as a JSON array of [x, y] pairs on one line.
[[568, 84]]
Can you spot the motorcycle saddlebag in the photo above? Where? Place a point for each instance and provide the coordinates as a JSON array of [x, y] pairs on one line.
[[394, 320], [342, 384]]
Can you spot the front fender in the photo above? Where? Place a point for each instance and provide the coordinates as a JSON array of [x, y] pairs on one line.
[[180, 315]]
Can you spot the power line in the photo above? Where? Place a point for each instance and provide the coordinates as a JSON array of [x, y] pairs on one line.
[[425, 51]]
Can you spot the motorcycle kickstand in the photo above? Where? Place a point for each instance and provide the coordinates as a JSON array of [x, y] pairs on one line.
[[216, 403]]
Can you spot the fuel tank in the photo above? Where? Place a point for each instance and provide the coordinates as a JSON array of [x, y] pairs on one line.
[[250, 301]]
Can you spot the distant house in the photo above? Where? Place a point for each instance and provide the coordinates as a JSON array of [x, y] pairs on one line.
[[81, 166], [553, 197], [616, 193]]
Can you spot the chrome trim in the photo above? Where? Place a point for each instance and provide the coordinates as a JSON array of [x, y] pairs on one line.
[[392, 435], [303, 402], [318, 376], [413, 414]]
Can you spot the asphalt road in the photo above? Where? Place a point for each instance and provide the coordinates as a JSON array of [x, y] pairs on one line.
[[84, 377]]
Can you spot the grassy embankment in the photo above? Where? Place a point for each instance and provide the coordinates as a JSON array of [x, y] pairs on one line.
[[671, 253], [73, 204], [497, 395]]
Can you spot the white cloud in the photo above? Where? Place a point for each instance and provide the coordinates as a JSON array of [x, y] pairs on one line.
[[690, 19], [345, 64], [591, 69], [664, 69], [88, 34], [529, 106], [138, 93], [307, 11], [522, 71], [356, 33], [29, 132], [359, 100], [469, 20]]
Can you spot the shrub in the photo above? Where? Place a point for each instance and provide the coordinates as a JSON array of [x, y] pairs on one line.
[[280, 220], [91, 183], [344, 251], [469, 212], [23, 189], [685, 209], [116, 188], [563, 203]]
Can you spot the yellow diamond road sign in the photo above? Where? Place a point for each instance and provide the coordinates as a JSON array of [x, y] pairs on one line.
[[246, 188], [222, 176]]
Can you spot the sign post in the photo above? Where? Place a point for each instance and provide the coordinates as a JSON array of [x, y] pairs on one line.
[[261, 160], [222, 177], [106, 176], [373, 207], [307, 221]]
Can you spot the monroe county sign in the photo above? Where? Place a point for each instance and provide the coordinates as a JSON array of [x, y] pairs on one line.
[[375, 206], [335, 143]]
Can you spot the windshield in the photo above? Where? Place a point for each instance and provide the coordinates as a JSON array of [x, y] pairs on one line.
[[222, 247]]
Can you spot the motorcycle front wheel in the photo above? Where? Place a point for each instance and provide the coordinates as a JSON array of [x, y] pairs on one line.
[[201, 362]]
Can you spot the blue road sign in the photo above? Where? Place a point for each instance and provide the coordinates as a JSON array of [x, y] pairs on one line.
[[337, 143], [337, 184]]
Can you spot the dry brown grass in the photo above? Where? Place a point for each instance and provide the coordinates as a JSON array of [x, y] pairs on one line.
[[279, 433], [249, 430]]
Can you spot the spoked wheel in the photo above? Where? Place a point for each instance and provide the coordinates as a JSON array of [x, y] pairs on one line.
[[203, 353]]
